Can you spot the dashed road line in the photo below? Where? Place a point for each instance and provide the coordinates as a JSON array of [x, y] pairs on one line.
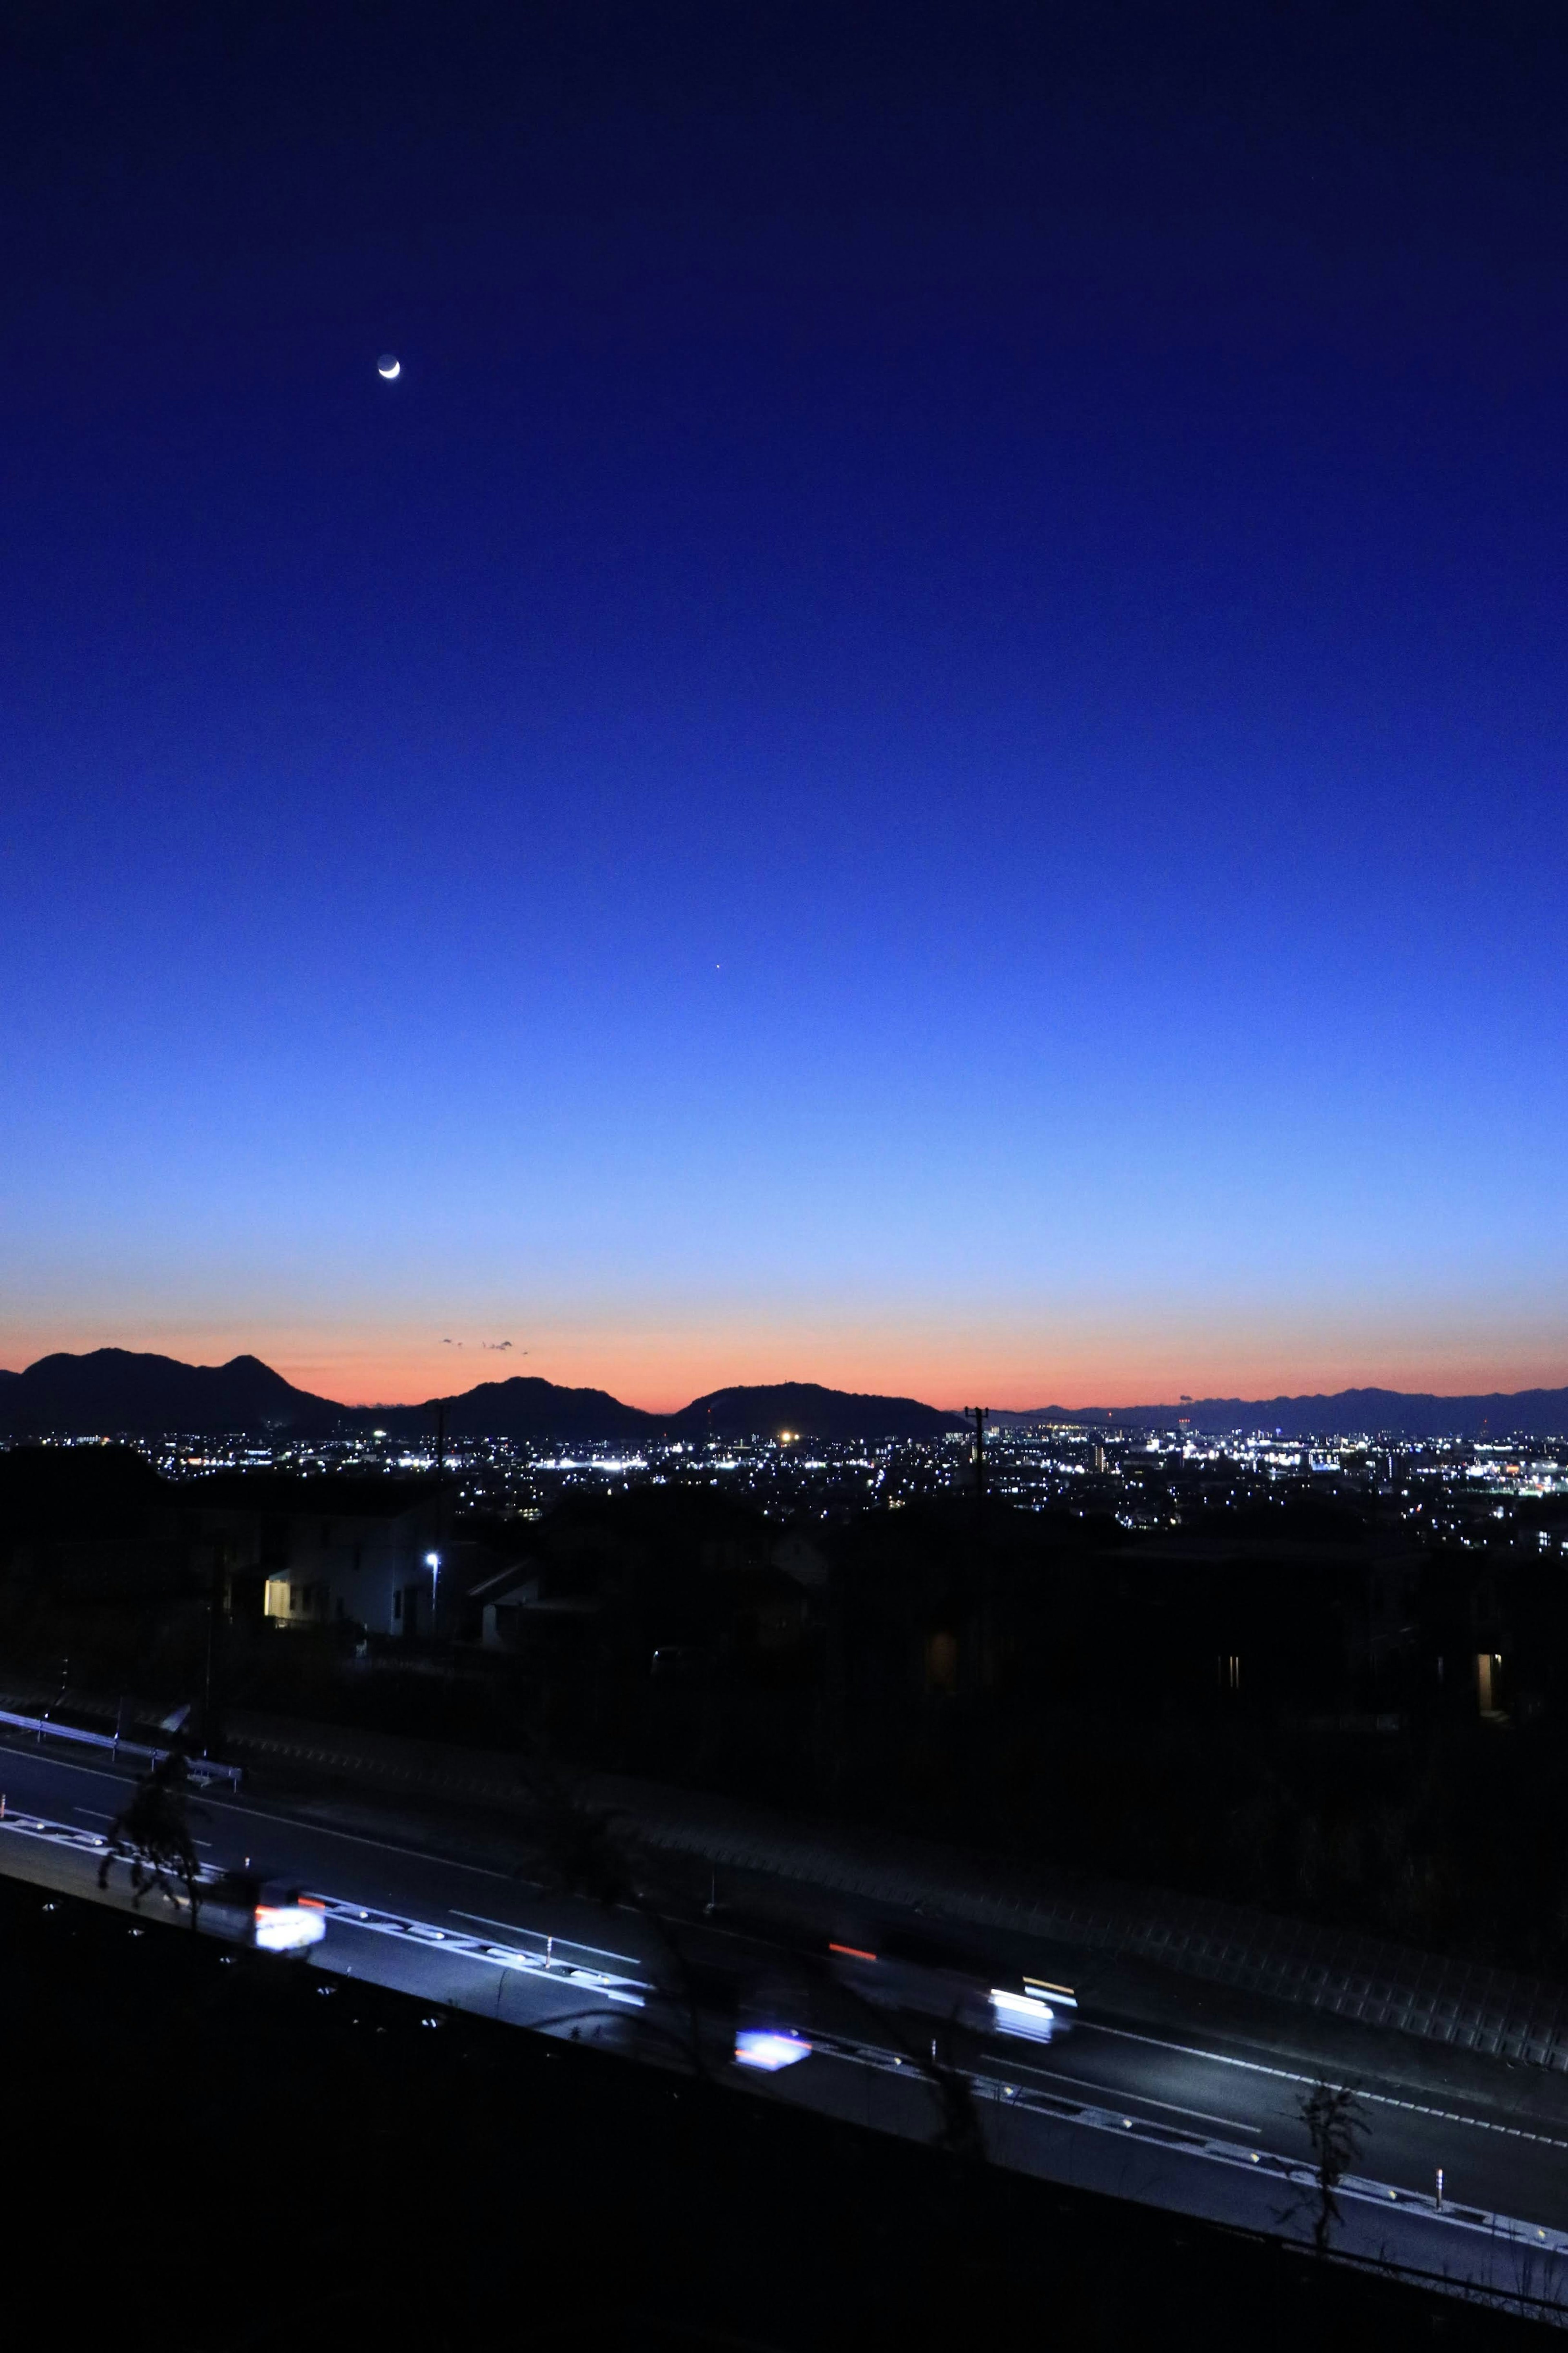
[[1136, 2099], [1289, 2075]]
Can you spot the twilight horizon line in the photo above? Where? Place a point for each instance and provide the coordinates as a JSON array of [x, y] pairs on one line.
[[474, 1378]]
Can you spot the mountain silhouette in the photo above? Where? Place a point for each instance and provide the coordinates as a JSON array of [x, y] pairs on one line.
[[524, 1407], [116, 1392], [811, 1411], [1519, 1413]]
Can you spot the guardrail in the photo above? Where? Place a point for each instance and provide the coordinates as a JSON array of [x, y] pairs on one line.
[[200, 1769]]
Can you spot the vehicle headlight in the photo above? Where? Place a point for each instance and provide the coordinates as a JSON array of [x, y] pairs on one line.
[[286, 1927], [1020, 2013], [769, 2050]]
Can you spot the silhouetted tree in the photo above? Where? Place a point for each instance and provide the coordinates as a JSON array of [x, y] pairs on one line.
[[1334, 2125], [152, 1834]]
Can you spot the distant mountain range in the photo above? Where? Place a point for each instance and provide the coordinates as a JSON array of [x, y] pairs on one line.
[[1522, 1413], [113, 1390]]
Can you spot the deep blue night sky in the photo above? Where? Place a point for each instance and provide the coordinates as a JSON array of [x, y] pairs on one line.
[[921, 747]]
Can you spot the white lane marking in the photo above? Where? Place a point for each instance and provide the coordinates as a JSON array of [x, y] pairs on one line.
[[1138, 2099], [95, 1814], [1416, 2204], [516, 1928], [1154, 2041], [1289, 2075], [359, 1838], [455, 1941], [293, 1821]]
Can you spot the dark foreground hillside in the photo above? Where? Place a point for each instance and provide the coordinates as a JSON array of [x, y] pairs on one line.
[[229, 2152]]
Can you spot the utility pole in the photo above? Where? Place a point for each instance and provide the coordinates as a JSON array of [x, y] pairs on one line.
[[980, 1415], [208, 1698], [434, 1558]]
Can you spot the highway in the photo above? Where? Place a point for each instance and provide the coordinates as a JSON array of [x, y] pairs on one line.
[[1181, 2101]]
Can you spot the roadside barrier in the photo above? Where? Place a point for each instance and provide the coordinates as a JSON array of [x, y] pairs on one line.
[[43, 1728]]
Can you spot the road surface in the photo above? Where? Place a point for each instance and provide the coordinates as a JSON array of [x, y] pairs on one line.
[[1191, 2100]]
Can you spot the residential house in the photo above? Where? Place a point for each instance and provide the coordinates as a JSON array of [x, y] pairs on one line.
[[330, 1551]]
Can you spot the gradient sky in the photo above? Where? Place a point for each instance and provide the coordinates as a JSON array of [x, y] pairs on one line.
[[924, 747]]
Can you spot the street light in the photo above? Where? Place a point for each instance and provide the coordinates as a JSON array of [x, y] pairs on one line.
[[433, 1563]]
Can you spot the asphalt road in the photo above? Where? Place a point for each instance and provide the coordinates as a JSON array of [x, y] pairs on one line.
[[1180, 2097]]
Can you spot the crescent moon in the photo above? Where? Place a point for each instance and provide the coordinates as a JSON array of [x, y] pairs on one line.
[[388, 367]]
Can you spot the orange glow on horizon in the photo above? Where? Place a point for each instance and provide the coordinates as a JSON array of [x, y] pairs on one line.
[[662, 1372]]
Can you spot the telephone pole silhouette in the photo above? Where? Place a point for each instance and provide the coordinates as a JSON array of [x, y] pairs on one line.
[[981, 1585], [435, 1560], [980, 1415]]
